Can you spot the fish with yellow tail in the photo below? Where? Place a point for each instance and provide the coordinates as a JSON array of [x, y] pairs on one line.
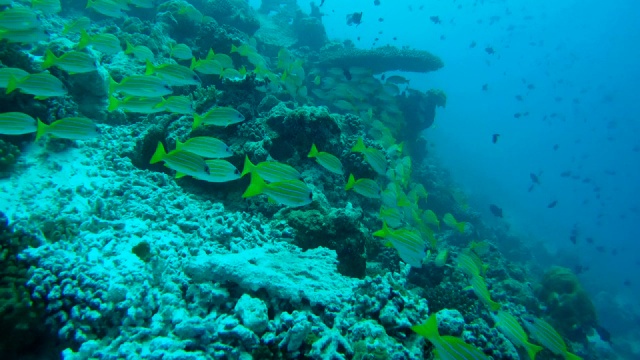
[[365, 187], [545, 334], [292, 193], [72, 128], [451, 222], [447, 347], [326, 160], [218, 116], [409, 243], [479, 287], [183, 162], [374, 157], [271, 171], [509, 326]]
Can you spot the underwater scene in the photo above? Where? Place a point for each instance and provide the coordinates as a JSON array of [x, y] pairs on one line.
[[281, 179]]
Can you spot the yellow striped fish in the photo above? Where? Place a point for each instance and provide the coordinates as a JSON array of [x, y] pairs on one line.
[[271, 171], [392, 216], [177, 105], [207, 67], [365, 187], [105, 43], [447, 347], [141, 86], [292, 193], [467, 265], [479, 287], [135, 104], [7, 73], [544, 333], [183, 162], [431, 218], [46, 6], [73, 62], [451, 222], [42, 85], [326, 160], [376, 158], [205, 146], [29, 36], [72, 128], [139, 52], [109, 8], [218, 116], [77, 25], [17, 123], [408, 243], [510, 327], [18, 19], [173, 74], [180, 52], [219, 171]]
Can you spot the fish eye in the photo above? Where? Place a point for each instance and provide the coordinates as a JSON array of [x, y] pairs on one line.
[[310, 196], [236, 171], [167, 87]]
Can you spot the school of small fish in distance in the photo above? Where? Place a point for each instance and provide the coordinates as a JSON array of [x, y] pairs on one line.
[[405, 226]]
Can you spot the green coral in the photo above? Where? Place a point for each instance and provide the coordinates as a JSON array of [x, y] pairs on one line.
[[568, 304]]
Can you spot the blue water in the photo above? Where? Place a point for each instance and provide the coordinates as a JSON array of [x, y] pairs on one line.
[[581, 58]]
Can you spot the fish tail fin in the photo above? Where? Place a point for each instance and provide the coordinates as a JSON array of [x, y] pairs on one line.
[[428, 330], [194, 62], [150, 69], [179, 145], [532, 350], [112, 85], [461, 226], [256, 187], [313, 152], [248, 166], [129, 48], [494, 306], [359, 146], [90, 4], [42, 129], [159, 154], [384, 232], [113, 103], [12, 85], [197, 120], [210, 55], [350, 183], [85, 39], [570, 356], [161, 104], [233, 48], [49, 59]]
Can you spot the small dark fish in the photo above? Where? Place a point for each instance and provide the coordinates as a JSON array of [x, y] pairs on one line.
[[517, 115], [627, 282], [565, 173], [531, 187], [519, 97], [435, 19], [395, 38], [473, 44], [321, 3], [579, 269], [347, 74], [485, 87], [534, 178], [355, 18], [614, 252], [496, 211], [494, 138], [358, 38], [376, 2], [380, 19], [556, 147], [383, 77], [590, 240], [573, 238], [601, 248], [442, 37], [531, 86], [552, 204], [526, 113], [489, 50]]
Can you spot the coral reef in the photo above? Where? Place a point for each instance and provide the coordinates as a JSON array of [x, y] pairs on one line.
[[568, 304], [9, 154], [386, 58]]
